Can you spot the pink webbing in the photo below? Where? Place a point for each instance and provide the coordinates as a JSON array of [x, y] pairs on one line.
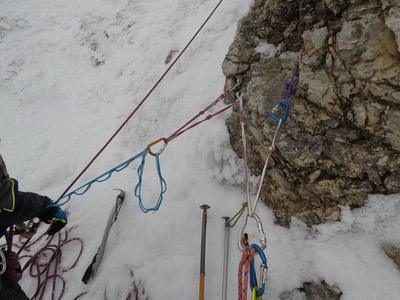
[[189, 124]]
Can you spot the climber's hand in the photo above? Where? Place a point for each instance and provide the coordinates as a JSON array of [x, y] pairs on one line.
[[54, 216]]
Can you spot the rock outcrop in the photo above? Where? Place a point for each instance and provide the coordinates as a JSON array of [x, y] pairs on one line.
[[342, 139], [393, 252], [313, 291]]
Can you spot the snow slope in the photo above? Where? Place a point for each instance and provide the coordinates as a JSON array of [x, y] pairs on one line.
[[71, 71]]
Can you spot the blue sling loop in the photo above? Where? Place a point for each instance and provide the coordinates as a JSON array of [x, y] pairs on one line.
[[83, 189]]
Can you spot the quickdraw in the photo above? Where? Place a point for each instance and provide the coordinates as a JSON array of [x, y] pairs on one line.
[[279, 114]]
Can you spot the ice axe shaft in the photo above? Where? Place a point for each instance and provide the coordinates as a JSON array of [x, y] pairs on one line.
[[204, 207], [226, 259], [94, 266]]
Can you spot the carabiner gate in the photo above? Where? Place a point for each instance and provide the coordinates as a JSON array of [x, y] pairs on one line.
[[261, 233]]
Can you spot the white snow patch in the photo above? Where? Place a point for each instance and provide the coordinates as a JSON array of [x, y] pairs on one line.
[[58, 107], [268, 50]]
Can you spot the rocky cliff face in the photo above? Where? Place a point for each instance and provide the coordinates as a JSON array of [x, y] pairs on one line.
[[342, 139]]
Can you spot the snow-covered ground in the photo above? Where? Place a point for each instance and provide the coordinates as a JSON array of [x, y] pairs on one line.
[[70, 73]]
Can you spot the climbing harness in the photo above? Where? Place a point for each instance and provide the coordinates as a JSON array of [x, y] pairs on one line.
[[96, 261]]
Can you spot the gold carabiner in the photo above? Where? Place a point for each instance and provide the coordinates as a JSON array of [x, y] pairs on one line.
[[156, 142]]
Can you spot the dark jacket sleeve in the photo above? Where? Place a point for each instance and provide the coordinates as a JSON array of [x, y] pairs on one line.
[[17, 206], [3, 169]]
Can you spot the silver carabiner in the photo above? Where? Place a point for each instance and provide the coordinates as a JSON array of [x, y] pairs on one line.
[[263, 274], [3, 262], [261, 233]]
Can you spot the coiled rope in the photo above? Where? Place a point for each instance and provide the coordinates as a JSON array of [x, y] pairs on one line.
[[44, 265]]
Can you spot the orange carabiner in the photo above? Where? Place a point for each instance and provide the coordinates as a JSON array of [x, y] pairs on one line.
[[164, 140]]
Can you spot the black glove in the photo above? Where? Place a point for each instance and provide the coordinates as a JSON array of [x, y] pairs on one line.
[[54, 216]]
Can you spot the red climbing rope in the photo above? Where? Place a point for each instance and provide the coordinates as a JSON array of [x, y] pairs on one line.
[[45, 264], [243, 278], [143, 100]]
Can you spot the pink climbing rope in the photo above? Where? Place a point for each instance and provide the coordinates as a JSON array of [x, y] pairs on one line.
[[245, 163], [189, 124]]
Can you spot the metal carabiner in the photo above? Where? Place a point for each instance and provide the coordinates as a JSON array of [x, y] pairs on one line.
[[263, 275], [261, 233], [263, 270], [280, 112], [3, 262], [156, 142]]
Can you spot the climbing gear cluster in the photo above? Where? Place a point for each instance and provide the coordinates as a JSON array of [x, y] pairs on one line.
[[190, 124], [48, 271], [279, 115]]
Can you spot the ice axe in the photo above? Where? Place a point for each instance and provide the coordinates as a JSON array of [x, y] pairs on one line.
[[204, 207]]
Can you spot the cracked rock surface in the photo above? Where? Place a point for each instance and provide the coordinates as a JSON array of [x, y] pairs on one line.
[[342, 139], [393, 251], [313, 291]]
